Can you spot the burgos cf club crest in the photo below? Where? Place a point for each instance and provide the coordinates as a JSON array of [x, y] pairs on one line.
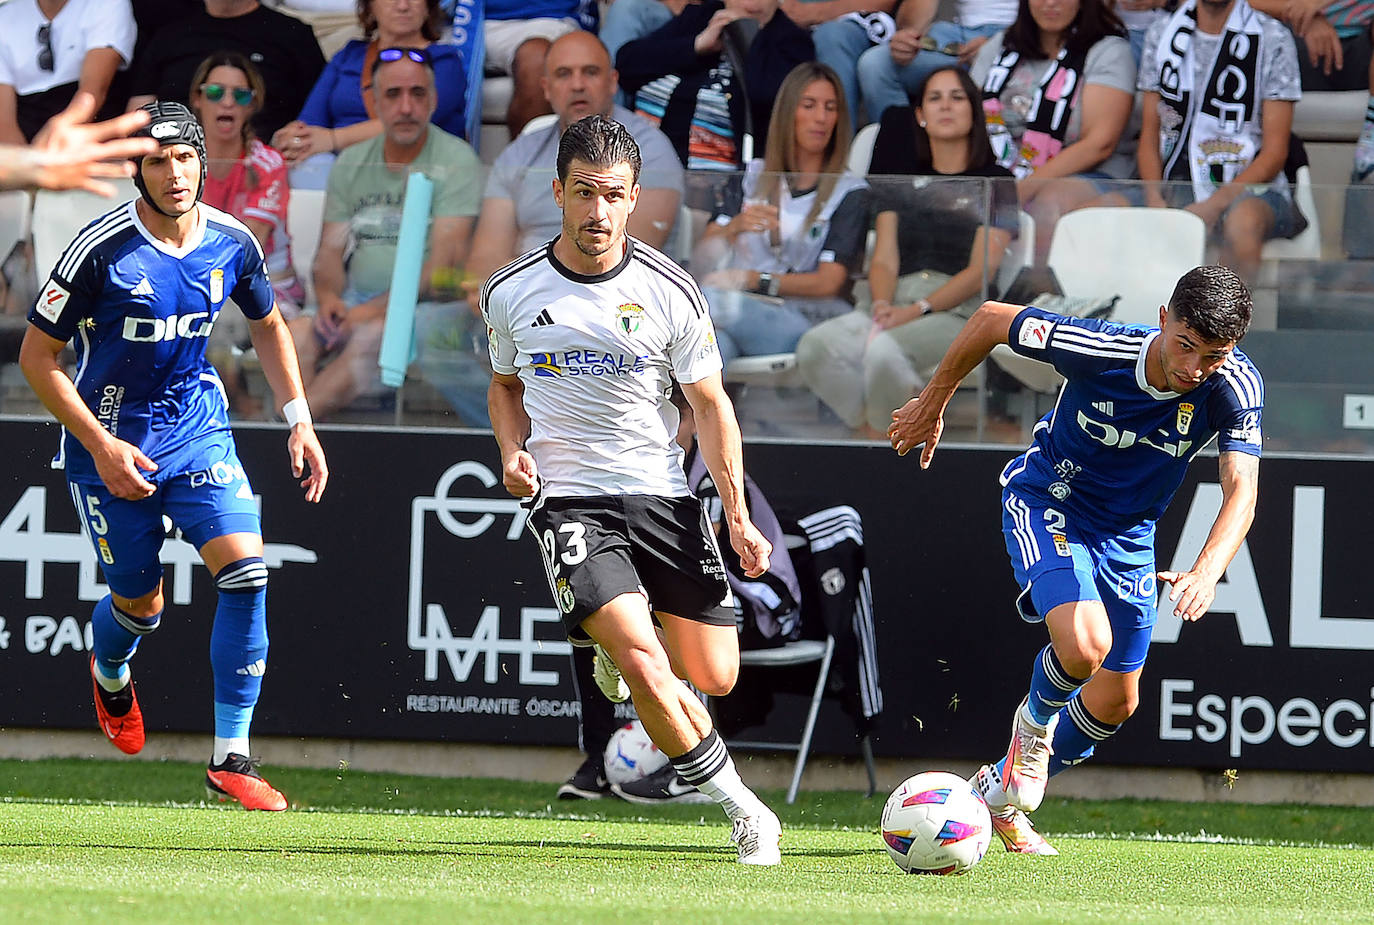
[[564, 592], [628, 317], [1185, 418]]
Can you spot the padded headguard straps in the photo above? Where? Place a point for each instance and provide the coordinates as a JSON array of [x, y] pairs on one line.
[[170, 123]]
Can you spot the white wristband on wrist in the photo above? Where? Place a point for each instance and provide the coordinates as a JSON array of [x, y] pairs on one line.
[[296, 411]]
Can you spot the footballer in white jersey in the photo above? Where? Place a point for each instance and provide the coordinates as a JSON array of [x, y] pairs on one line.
[[587, 335], [597, 356]]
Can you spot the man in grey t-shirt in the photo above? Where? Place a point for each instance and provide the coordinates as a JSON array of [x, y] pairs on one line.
[[518, 211]]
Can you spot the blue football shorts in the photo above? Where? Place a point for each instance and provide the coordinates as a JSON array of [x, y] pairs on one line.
[[1058, 560], [213, 499]]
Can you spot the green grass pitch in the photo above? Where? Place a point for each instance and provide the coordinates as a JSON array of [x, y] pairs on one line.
[[113, 842]]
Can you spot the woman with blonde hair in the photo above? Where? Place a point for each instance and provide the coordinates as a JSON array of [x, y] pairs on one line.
[[778, 257]]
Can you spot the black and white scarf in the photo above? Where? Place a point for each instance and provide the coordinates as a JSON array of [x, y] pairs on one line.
[[1047, 120], [1217, 128]]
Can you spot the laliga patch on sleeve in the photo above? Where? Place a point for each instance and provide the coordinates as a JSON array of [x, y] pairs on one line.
[[1035, 333], [1249, 430], [52, 301]]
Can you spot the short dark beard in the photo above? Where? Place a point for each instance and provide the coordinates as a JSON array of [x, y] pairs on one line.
[[584, 248]]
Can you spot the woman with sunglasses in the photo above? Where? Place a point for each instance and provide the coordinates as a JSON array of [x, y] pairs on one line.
[[247, 179], [339, 111]]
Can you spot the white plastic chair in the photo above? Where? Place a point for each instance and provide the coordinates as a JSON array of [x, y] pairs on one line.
[[773, 370], [1308, 244], [304, 222], [57, 217], [15, 209], [538, 123], [1134, 253], [861, 149], [1018, 253]]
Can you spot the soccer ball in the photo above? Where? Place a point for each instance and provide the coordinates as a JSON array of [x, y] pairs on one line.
[[936, 823], [631, 754]]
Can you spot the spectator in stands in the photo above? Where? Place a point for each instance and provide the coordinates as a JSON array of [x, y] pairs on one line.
[[1229, 171], [247, 179], [340, 111], [282, 48], [334, 22], [518, 214], [1335, 52], [841, 30], [933, 254], [700, 65], [1138, 16], [778, 257], [362, 216], [52, 49], [626, 20], [892, 70], [518, 35], [1058, 89]]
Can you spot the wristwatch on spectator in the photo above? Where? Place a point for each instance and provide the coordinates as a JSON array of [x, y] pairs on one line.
[[768, 284], [925, 307]]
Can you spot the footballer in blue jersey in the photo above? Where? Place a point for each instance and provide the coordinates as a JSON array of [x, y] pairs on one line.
[[145, 429], [1079, 507]]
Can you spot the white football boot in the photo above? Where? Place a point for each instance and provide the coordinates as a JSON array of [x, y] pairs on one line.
[[607, 677], [757, 837], [1027, 770]]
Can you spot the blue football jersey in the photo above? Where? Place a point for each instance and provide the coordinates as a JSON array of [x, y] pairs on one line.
[[139, 313], [1114, 449]]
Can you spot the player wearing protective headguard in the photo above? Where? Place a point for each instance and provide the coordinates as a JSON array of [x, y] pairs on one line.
[[145, 429]]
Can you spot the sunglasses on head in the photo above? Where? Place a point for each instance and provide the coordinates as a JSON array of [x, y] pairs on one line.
[[45, 61], [243, 96], [418, 55]]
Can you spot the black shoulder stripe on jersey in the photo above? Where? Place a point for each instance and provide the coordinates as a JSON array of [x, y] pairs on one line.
[[677, 276], [662, 261], [515, 266], [103, 228]]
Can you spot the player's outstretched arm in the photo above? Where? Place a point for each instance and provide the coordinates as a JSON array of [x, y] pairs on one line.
[[117, 461], [511, 425], [1194, 590], [922, 420], [71, 153], [277, 353], [722, 450]]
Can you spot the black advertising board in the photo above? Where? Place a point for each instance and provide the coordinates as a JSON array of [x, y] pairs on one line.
[[411, 605]]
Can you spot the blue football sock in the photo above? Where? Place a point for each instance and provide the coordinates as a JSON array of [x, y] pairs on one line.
[[238, 645], [114, 639], [1051, 686], [1076, 736]]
